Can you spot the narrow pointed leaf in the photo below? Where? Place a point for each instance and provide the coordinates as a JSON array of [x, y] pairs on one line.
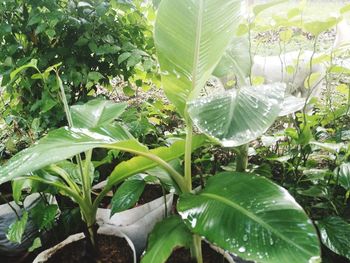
[[190, 37], [166, 236], [96, 113], [335, 234], [62, 144], [237, 117], [140, 164], [252, 217]]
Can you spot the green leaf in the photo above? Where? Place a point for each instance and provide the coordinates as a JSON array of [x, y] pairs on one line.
[[123, 57], [32, 64], [235, 62], [44, 215], [95, 76], [127, 194], [36, 244], [317, 27], [262, 7], [166, 236], [252, 217], [62, 144], [335, 234], [345, 9], [96, 113], [16, 229], [344, 176], [191, 37], [237, 117], [291, 104], [139, 164]]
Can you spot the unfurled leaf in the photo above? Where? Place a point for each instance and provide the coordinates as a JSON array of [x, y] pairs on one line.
[[62, 144], [96, 113], [237, 117], [190, 39], [251, 217]]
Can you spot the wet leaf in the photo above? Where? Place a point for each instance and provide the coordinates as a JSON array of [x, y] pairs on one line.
[[190, 39], [335, 234], [237, 117], [252, 217], [127, 194]]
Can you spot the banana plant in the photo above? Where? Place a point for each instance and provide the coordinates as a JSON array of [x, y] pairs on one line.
[[242, 213], [55, 160]]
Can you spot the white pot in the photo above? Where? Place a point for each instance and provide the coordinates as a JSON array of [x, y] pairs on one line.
[[46, 254], [137, 222], [8, 216]]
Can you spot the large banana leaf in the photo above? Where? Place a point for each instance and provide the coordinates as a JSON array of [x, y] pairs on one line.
[[237, 117], [252, 217], [167, 235], [96, 113], [190, 37], [62, 144]]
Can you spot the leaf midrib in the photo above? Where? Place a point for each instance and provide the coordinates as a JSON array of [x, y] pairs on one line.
[[256, 219], [197, 44]]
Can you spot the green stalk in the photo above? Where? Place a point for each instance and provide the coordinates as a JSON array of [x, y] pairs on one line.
[[85, 182], [242, 158], [188, 158], [196, 248], [196, 251]]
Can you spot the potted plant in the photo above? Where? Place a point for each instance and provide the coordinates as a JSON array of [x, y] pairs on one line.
[[90, 126], [242, 213]]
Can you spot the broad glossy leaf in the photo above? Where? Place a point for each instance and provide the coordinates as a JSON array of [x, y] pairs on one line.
[[291, 104], [237, 117], [235, 62], [62, 144], [139, 164], [127, 194], [335, 234], [16, 230], [344, 176], [252, 217], [190, 37], [96, 113], [166, 236]]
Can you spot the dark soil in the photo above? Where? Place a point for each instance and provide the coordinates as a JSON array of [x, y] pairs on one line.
[[151, 192], [183, 255], [112, 250]]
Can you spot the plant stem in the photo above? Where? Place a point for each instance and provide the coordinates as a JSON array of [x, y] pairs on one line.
[[242, 158], [196, 251], [188, 153]]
